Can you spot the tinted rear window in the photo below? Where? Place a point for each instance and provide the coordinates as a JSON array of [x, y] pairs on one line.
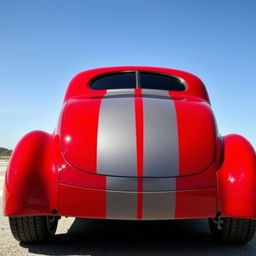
[[115, 81], [160, 82]]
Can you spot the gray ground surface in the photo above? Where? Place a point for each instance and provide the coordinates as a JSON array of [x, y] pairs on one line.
[[88, 237]]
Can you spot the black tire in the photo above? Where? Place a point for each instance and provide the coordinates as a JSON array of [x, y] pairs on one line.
[[233, 230], [33, 228]]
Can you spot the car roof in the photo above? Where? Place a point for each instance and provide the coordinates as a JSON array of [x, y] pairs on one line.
[[80, 83]]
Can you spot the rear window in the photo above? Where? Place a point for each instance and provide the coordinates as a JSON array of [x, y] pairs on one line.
[[160, 82], [124, 80], [131, 80]]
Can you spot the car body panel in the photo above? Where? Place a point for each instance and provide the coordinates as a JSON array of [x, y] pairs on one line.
[[125, 205], [173, 139], [31, 180], [236, 178], [77, 171]]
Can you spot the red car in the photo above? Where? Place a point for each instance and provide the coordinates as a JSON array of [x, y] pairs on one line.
[[132, 143]]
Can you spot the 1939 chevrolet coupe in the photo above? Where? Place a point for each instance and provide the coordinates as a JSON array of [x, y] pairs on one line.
[[132, 143]]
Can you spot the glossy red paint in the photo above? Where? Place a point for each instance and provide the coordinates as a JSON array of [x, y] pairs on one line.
[[79, 132], [237, 178], [214, 175], [81, 202], [71, 176], [197, 148], [77, 87], [191, 204], [31, 177], [198, 203], [197, 135]]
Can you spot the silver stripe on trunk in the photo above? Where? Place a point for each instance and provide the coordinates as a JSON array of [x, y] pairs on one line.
[[117, 154], [155, 93], [161, 157], [121, 205], [119, 92], [116, 148], [158, 205]]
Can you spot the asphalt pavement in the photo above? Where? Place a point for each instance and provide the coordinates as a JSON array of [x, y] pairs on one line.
[[122, 238]]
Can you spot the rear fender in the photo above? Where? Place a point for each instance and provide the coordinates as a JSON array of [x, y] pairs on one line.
[[31, 179], [237, 179]]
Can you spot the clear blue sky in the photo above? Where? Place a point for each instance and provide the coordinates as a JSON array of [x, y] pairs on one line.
[[44, 43]]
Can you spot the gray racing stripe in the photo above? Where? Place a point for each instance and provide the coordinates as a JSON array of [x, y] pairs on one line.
[[149, 184], [119, 92], [116, 146], [121, 205], [158, 205], [117, 155], [159, 184], [153, 92], [161, 157], [122, 183]]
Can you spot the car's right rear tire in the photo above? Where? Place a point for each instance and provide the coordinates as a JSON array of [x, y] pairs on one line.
[[33, 228], [233, 230]]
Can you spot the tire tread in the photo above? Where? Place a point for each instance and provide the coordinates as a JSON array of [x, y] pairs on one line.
[[29, 229], [234, 230]]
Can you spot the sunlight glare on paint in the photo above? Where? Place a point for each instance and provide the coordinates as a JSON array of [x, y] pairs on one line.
[[68, 139], [231, 179]]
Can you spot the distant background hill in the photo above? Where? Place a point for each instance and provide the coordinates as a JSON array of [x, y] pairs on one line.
[[4, 152]]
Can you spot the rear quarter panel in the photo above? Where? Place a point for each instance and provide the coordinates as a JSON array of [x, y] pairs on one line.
[[237, 178], [31, 178]]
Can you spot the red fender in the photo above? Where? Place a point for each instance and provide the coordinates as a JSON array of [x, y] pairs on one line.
[[237, 179], [31, 179]]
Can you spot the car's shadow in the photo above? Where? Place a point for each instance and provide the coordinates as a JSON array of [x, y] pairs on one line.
[[94, 237]]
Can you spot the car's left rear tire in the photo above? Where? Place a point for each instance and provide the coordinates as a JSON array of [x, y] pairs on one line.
[[33, 228]]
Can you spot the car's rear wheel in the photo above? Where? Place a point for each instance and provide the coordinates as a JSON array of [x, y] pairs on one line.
[[232, 230], [33, 228]]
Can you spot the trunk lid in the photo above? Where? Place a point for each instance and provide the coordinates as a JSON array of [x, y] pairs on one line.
[[150, 135]]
